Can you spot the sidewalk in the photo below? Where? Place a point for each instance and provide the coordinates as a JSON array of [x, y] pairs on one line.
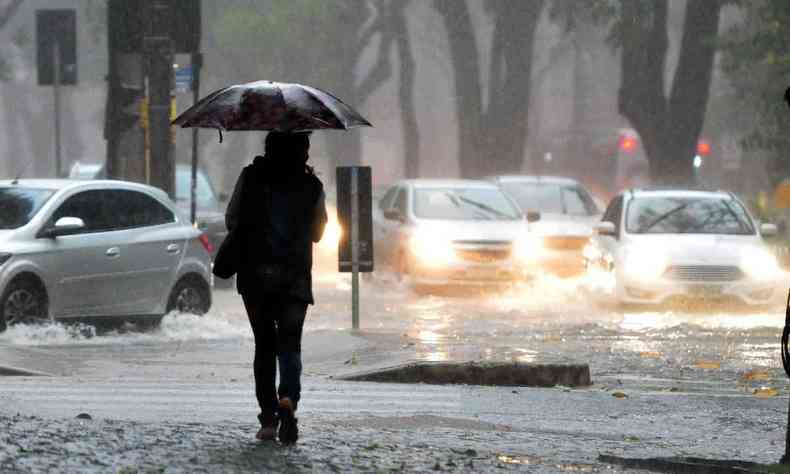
[[209, 426]]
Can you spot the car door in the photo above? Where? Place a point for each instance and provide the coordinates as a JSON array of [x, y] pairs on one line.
[[152, 249], [86, 267]]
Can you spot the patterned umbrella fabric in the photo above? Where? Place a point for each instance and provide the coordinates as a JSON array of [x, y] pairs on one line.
[[266, 105]]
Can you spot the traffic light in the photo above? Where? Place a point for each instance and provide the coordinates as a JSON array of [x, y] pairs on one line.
[[703, 148]]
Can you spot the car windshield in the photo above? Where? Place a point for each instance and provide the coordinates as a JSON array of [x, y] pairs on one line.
[[463, 204], [663, 215], [204, 193], [552, 198], [19, 205]]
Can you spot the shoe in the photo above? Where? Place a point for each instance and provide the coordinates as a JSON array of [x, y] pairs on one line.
[[268, 430], [288, 432]]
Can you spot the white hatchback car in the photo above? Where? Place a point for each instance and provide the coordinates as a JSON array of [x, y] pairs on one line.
[[654, 247], [96, 250], [452, 232]]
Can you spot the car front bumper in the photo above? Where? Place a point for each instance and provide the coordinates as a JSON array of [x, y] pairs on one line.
[[663, 291], [467, 274]]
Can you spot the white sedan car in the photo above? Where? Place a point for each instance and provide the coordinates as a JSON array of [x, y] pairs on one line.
[[567, 215], [452, 232], [655, 247]]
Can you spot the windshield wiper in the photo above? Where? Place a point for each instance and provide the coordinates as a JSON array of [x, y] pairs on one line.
[[485, 207], [659, 219]]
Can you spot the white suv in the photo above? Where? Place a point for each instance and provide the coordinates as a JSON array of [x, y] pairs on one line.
[[655, 247]]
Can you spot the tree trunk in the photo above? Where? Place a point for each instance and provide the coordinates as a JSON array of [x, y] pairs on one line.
[[669, 127], [492, 141], [506, 122], [466, 69], [408, 73]]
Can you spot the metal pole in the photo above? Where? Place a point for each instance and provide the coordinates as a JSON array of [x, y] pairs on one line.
[[786, 457], [197, 61], [354, 248], [56, 89]]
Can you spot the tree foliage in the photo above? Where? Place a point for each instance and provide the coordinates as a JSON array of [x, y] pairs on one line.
[[668, 116], [322, 43], [756, 61]]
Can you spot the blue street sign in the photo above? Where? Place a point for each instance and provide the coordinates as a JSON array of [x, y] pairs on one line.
[[184, 79]]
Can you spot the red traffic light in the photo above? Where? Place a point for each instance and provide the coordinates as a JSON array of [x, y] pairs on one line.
[[627, 144], [703, 148]]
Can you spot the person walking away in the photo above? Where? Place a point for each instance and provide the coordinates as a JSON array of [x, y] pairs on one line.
[[278, 209]]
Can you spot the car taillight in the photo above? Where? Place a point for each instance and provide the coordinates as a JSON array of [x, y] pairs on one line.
[[206, 243]]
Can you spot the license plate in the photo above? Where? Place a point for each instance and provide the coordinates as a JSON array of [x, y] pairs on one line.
[[704, 290]]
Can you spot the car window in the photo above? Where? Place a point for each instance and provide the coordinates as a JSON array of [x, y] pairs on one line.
[[687, 215], [129, 209], [88, 206], [463, 204], [19, 205], [386, 201], [542, 197], [400, 201], [205, 197], [574, 203]]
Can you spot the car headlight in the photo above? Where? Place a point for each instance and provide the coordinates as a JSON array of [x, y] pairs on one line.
[[527, 248], [432, 249], [644, 262], [759, 263]]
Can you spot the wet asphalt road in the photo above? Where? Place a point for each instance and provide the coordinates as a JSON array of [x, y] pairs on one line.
[[717, 370]]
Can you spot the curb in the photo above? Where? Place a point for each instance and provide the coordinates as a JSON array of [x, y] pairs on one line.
[[14, 371], [472, 373], [687, 465]]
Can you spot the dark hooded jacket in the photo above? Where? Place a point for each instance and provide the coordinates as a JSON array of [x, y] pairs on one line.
[[280, 211]]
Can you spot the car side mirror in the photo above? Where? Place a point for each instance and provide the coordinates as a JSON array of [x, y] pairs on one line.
[[532, 216], [394, 215], [64, 226], [769, 230], [605, 228]]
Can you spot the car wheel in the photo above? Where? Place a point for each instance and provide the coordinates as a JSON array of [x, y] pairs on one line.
[[190, 295], [23, 301]]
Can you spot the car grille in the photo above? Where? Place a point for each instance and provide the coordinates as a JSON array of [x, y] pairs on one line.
[[565, 243], [482, 251], [482, 255], [707, 273]]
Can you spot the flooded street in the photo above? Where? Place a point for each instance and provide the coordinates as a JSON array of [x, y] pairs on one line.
[[549, 320], [660, 381]]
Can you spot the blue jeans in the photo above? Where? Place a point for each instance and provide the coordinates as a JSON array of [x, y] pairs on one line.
[[277, 324]]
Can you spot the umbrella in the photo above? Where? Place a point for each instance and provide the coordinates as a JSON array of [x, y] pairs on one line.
[[266, 105]]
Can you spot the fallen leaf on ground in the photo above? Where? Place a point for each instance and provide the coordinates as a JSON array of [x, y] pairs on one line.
[[756, 375], [619, 395], [708, 364], [650, 355], [765, 392]]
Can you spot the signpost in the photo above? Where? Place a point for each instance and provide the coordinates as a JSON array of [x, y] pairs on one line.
[[355, 215], [56, 58]]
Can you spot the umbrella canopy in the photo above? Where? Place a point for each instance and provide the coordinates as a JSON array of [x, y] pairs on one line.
[[266, 105]]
